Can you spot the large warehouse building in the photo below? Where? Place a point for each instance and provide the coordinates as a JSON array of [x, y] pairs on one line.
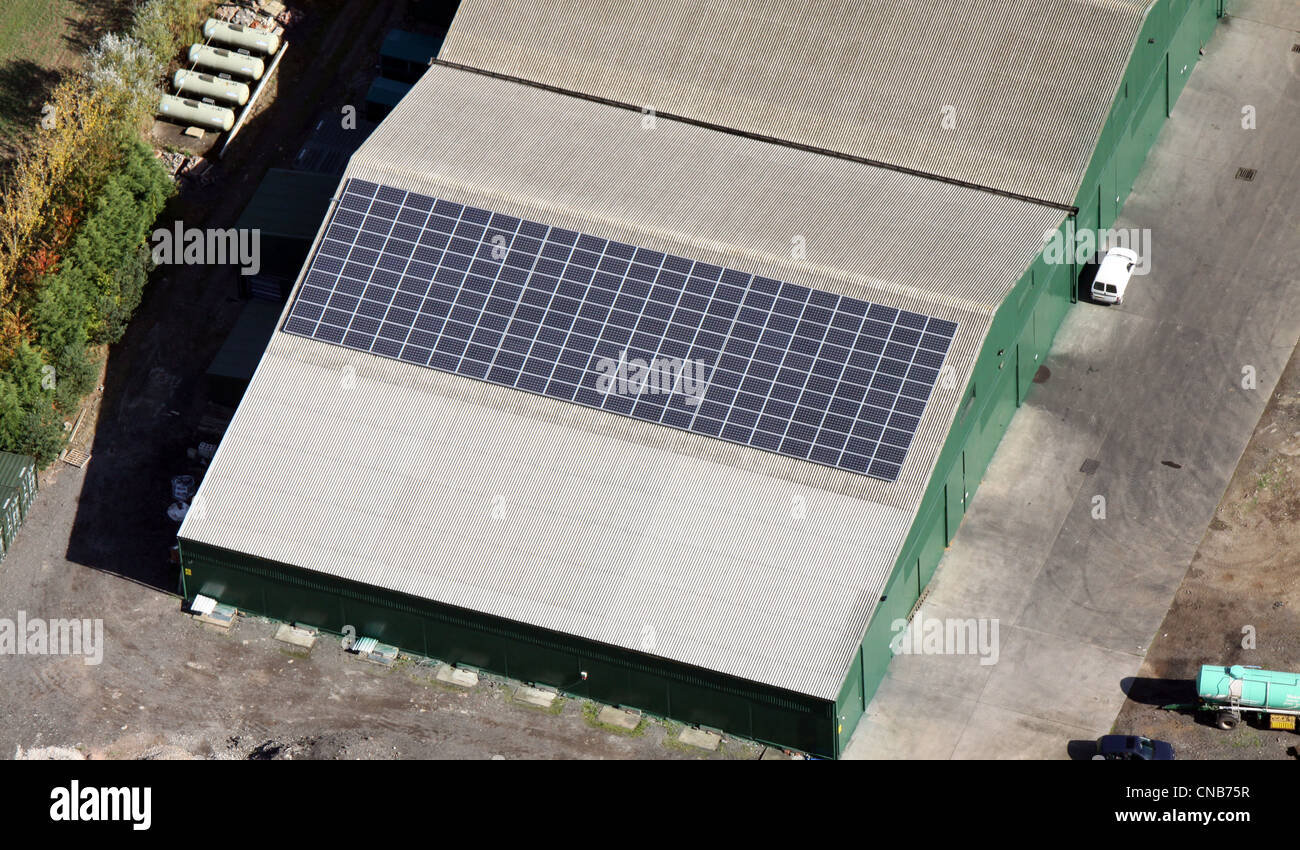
[[841, 217]]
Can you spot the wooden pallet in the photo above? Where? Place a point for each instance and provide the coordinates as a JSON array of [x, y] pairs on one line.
[[76, 457]]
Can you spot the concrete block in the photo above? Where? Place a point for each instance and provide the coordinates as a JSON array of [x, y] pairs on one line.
[[611, 716], [535, 697], [222, 617], [700, 738], [456, 676], [776, 754], [304, 638]]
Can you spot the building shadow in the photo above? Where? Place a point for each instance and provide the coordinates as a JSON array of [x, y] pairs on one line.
[[1087, 274], [157, 405], [1157, 692], [144, 429]]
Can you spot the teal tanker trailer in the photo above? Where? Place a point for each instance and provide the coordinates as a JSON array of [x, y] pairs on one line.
[[1237, 690]]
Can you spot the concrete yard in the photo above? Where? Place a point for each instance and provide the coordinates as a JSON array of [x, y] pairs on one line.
[[1153, 391]]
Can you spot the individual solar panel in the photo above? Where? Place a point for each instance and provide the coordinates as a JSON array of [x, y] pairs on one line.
[[752, 360]]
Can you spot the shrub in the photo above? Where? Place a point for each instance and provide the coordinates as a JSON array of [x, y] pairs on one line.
[[125, 72], [164, 25], [76, 372], [29, 424]]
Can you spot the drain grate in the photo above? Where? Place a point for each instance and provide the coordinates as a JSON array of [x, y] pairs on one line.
[[1246, 174], [1090, 466], [1295, 48]]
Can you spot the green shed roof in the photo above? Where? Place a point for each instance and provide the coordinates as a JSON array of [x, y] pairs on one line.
[[387, 92], [17, 470], [410, 46], [242, 350], [290, 204]]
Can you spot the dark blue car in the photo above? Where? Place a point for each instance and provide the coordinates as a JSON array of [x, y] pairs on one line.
[[1133, 748]]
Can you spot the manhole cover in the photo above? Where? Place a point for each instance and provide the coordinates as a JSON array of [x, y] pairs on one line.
[[1246, 174]]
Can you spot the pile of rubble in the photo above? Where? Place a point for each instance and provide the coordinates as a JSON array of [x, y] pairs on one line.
[[173, 162], [192, 168], [271, 15]]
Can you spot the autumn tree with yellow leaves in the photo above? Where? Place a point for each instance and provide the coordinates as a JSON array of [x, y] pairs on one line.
[[83, 189]]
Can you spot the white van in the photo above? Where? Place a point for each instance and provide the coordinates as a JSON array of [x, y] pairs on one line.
[[1113, 276]]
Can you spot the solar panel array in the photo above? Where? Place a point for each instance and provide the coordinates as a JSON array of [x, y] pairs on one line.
[[821, 377]]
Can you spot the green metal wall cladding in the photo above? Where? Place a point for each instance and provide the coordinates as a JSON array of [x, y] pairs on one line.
[[458, 636]]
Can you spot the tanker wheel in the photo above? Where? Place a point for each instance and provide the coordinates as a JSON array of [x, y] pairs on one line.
[[1226, 720]]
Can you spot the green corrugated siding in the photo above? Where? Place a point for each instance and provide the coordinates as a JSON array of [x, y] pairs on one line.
[[19, 471], [1167, 49], [11, 515], [615, 676], [1023, 329]]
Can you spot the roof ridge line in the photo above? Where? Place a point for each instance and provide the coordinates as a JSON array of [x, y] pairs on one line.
[[839, 276], [722, 128]]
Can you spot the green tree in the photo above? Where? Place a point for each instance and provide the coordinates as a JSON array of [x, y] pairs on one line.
[[29, 424], [102, 277]]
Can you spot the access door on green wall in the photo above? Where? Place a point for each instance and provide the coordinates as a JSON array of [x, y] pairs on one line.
[[1025, 363], [956, 492], [1206, 11], [1109, 195], [1130, 156], [1183, 53], [850, 705]]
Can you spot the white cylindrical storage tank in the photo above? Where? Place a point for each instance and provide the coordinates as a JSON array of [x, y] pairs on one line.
[[194, 84], [226, 61], [233, 34], [199, 114]]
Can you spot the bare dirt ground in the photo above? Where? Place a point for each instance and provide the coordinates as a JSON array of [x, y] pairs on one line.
[[95, 545], [1242, 583]]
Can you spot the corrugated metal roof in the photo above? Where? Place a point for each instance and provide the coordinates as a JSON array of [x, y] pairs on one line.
[[614, 526], [1031, 81], [407, 482]]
